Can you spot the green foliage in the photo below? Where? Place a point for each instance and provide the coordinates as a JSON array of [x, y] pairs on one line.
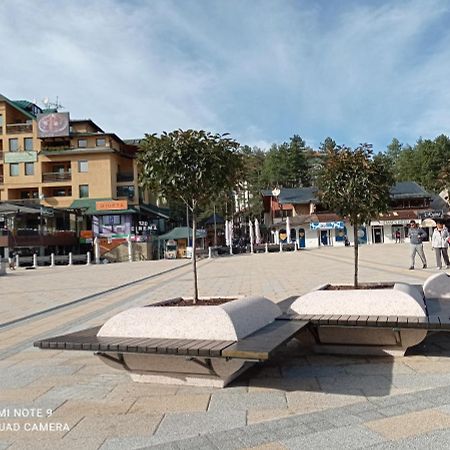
[[426, 163], [192, 165], [355, 184], [287, 164]]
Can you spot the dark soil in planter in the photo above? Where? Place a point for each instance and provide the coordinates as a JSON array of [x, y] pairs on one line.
[[341, 287], [189, 302]]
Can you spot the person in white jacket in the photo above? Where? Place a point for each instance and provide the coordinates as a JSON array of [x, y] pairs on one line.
[[439, 242]]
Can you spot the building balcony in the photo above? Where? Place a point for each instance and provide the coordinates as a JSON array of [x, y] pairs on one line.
[[19, 128], [55, 177], [125, 177]]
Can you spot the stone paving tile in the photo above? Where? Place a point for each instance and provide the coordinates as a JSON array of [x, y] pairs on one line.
[[252, 401], [132, 442], [346, 383], [77, 392], [282, 384], [109, 426], [340, 438], [4, 445], [84, 408], [176, 426], [305, 402], [29, 393], [256, 416], [61, 444], [138, 390], [425, 380], [401, 408], [171, 403], [268, 446], [411, 424]]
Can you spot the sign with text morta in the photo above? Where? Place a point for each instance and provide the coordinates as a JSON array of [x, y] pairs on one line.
[[53, 125], [18, 157]]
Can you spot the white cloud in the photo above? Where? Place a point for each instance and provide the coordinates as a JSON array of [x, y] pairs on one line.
[[366, 71]]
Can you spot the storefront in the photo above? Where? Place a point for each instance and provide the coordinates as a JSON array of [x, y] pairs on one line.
[[329, 233]]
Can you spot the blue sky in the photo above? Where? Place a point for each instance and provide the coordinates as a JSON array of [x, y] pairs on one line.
[[358, 71]]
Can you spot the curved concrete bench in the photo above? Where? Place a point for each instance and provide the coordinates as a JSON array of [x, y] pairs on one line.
[[402, 300], [437, 286], [193, 325]]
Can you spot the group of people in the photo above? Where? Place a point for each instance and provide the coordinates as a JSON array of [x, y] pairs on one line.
[[439, 243]]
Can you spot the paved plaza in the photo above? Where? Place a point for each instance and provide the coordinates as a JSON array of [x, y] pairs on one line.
[[297, 400]]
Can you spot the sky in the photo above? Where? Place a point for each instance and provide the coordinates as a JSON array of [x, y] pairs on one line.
[[261, 70]]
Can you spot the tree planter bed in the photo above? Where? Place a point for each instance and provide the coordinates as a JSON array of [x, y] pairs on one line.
[[372, 320], [195, 345]]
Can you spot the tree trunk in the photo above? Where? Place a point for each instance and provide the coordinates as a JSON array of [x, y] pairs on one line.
[[355, 238], [194, 256]]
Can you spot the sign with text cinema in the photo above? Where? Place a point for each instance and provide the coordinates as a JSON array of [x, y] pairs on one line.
[[53, 125]]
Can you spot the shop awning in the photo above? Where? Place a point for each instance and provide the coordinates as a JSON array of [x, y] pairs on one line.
[[156, 211], [182, 233], [17, 208]]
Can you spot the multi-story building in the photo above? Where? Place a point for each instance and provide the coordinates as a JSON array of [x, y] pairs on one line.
[[74, 179], [312, 226]]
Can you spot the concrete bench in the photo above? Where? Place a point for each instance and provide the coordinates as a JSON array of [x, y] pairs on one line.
[[199, 345]]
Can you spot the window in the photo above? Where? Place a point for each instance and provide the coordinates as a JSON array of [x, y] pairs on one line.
[[29, 168], [28, 144], [1, 120], [101, 142], [84, 190], [62, 192], [111, 220], [14, 169], [82, 143], [125, 191], [14, 145], [82, 166]]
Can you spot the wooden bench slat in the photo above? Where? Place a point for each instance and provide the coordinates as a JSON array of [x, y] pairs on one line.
[[261, 344], [334, 320], [353, 320], [372, 321]]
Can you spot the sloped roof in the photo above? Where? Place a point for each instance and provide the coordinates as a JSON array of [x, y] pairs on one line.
[[294, 195], [210, 219], [408, 189], [21, 105]]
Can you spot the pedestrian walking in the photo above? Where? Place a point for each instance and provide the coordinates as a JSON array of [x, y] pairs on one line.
[[416, 237], [397, 237], [439, 243]]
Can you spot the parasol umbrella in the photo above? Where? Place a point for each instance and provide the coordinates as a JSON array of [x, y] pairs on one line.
[[288, 230], [257, 232], [227, 233], [252, 236]]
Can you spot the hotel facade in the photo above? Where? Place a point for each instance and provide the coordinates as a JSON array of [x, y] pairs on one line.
[[64, 182]]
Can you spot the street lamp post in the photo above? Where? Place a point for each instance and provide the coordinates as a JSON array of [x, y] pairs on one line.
[[276, 193]]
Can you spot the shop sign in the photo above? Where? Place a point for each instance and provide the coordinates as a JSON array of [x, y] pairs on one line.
[[18, 157], [111, 205], [53, 124], [391, 222], [86, 234], [47, 212], [326, 225], [431, 214]]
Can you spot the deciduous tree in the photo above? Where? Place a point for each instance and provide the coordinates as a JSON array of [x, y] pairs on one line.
[[355, 185], [191, 165]]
